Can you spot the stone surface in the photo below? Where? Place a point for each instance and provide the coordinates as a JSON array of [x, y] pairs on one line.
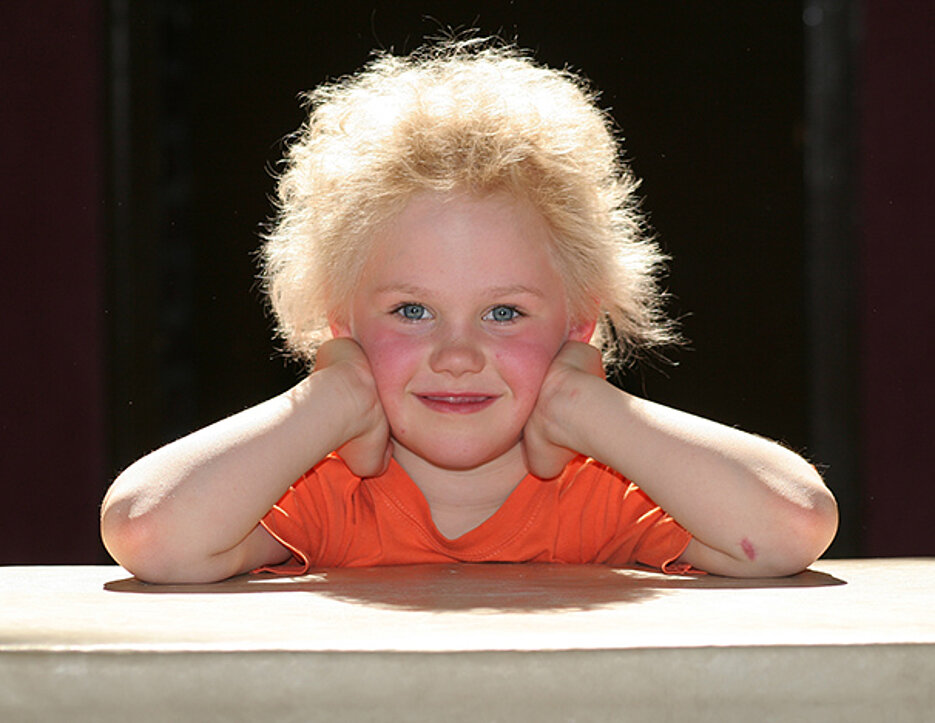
[[846, 640]]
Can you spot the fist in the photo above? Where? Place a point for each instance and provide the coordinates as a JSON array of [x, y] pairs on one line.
[[367, 448], [549, 438]]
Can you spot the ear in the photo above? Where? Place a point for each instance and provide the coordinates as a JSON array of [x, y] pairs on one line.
[[582, 330], [339, 328]]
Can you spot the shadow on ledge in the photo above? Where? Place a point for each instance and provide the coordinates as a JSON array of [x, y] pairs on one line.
[[496, 587]]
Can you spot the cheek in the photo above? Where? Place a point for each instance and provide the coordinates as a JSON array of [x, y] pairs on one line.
[[393, 360], [523, 364]]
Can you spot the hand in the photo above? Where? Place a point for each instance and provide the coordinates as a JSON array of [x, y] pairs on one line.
[[367, 449], [548, 437]]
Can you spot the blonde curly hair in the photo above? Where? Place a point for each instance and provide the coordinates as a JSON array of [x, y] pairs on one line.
[[469, 116]]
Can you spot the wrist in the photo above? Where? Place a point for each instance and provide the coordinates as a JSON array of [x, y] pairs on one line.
[[570, 406], [331, 401]]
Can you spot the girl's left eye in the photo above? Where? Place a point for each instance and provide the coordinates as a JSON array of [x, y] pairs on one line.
[[413, 312], [502, 314]]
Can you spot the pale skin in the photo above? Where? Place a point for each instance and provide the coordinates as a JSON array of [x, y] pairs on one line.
[[457, 358]]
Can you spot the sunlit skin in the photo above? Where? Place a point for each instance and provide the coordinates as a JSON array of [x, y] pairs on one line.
[[458, 356], [460, 312]]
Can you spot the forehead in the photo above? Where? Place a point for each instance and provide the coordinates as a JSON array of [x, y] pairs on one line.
[[441, 236]]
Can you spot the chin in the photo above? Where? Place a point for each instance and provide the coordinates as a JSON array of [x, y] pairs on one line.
[[459, 457]]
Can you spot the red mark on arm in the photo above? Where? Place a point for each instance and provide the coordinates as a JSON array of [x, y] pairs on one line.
[[748, 549]]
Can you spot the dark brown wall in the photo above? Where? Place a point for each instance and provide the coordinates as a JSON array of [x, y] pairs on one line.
[[51, 204], [897, 313], [129, 311]]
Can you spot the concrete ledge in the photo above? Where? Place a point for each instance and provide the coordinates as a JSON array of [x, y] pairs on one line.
[[849, 640], [887, 683]]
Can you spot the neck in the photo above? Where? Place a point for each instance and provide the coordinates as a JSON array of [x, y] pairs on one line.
[[461, 499]]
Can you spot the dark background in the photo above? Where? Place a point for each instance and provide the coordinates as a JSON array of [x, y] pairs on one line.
[[787, 157]]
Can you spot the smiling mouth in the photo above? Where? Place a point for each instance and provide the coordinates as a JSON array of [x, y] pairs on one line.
[[456, 403]]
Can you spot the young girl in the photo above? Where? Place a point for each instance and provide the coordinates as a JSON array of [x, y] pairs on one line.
[[457, 237]]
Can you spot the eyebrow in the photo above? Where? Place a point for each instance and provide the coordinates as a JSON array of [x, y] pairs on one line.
[[420, 291]]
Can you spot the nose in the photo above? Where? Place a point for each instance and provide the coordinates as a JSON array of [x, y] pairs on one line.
[[457, 354]]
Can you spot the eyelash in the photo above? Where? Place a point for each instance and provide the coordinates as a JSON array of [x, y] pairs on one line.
[[488, 316], [516, 313], [400, 311]]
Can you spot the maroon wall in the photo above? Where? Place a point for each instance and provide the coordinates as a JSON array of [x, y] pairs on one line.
[[897, 221], [51, 418]]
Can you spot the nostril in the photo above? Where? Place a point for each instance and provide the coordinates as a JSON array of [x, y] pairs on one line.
[[457, 358]]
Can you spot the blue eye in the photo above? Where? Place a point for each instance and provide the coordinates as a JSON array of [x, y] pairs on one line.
[[502, 314], [413, 312]]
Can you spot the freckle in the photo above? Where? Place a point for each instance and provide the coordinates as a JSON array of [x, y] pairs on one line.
[[748, 549]]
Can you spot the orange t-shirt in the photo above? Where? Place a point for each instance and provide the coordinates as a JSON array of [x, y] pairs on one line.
[[588, 514]]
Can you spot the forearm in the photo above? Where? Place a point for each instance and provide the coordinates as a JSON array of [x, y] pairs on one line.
[[761, 506], [202, 495]]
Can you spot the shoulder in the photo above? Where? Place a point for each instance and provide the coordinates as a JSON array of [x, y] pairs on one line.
[[588, 481], [586, 470], [329, 476], [332, 468], [333, 478]]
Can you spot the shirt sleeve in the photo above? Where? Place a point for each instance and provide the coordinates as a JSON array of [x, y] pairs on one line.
[[301, 519], [286, 527], [645, 535], [622, 526], [317, 517]]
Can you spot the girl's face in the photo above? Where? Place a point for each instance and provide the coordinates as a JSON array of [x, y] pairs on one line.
[[460, 311]]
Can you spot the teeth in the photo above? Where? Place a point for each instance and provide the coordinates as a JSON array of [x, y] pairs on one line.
[[458, 400]]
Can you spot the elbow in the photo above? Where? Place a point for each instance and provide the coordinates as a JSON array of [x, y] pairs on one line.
[[799, 529], [133, 542], [153, 550], [137, 537], [818, 519], [809, 530], [780, 538], [820, 525], [129, 526]]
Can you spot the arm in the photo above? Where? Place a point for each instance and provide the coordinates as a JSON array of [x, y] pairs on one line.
[[189, 512], [754, 507]]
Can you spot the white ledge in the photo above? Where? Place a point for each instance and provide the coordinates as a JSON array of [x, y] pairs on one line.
[[852, 638]]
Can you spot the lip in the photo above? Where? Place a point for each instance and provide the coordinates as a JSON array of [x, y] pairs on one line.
[[459, 403]]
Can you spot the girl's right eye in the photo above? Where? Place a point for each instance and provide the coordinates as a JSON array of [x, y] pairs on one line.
[[413, 312]]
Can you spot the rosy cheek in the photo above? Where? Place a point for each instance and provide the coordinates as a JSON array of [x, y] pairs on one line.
[[524, 364], [393, 359]]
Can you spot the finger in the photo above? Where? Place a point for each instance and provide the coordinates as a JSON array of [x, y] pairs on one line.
[[582, 356], [336, 350]]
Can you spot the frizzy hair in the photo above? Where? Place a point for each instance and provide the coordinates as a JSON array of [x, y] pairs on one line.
[[461, 116]]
